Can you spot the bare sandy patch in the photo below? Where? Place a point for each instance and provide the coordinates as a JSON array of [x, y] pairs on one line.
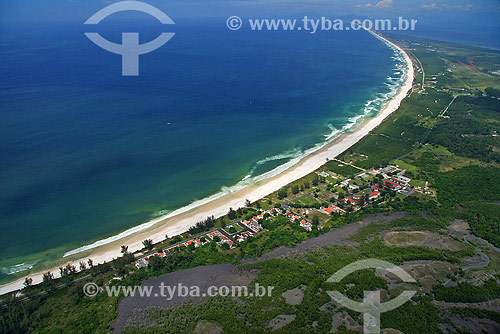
[[205, 327], [281, 321], [421, 239], [428, 273], [460, 226], [391, 331], [294, 296]]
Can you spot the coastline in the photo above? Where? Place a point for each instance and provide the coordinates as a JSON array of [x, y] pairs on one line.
[[180, 220]]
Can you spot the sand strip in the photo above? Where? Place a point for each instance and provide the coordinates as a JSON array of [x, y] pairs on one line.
[[220, 206]]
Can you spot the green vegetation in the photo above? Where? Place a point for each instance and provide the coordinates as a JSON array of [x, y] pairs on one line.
[[468, 184], [252, 315], [484, 219], [469, 293], [490, 91], [445, 135]]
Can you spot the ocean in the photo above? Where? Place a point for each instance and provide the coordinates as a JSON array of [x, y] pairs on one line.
[[86, 153]]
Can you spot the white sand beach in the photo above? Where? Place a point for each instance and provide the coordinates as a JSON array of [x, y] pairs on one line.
[[179, 223]]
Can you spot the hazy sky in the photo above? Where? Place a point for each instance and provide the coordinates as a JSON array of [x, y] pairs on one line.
[[474, 22], [57, 10]]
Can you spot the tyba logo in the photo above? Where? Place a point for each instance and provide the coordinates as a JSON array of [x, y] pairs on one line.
[[130, 49], [371, 307]]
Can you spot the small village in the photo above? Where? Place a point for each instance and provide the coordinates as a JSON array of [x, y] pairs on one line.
[[328, 195]]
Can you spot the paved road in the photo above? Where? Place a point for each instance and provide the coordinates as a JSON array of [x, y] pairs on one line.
[[227, 235], [448, 107], [421, 67]]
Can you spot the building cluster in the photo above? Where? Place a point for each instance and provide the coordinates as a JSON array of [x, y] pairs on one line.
[[366, 187], [390, 178], [247, 228], [399, 183]]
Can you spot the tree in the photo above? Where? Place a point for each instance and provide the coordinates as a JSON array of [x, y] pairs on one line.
[[248, 203], [175, 239], [124, 260], [231, 214], [217, 238], [492, 92], [282, 193], [28, 282], [295, 189], [315, 181], [156, 263], [315, 220], [48, 276], [148, 244], [83, 266], [204, 225], [90, 263], [166, 236], [70, 269], [124, 249]]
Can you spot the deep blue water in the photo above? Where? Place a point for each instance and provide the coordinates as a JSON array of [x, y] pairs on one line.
[[86, 153]]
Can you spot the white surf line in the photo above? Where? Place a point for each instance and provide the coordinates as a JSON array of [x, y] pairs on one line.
[[228, 190], [361, 131]]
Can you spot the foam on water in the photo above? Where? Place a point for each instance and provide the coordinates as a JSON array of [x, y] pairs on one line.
[[16, 268], [370, 108]]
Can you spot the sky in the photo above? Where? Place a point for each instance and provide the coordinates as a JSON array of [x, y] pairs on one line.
[[56, 10], [442, 19]]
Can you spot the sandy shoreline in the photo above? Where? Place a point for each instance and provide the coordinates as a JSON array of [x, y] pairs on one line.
[[220, 206]]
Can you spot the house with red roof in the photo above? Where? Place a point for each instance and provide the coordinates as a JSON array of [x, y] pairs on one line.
[[329, 209], [348, 200], [332, 208], [305, 224], [391, 185]]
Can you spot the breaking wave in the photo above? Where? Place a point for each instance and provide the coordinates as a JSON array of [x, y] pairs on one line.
[[370, 108]]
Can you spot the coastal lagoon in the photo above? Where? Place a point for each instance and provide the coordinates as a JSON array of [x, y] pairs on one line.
[[86, 154]]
